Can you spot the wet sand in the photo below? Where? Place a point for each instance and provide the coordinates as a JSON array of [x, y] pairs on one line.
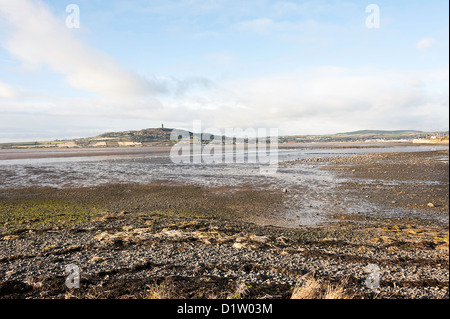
[[13, 154], [206, 242]]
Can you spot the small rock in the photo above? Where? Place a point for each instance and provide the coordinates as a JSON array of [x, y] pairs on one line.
[[431, 205], [285, 190]]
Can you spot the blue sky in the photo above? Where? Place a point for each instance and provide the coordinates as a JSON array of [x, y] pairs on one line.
[[304, 67]]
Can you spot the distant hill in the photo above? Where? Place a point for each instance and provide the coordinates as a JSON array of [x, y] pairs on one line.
[[161, 137], [144, 137], [377, 132], [363, 135]]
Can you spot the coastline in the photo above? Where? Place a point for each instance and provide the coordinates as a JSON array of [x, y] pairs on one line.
[[202, 242]]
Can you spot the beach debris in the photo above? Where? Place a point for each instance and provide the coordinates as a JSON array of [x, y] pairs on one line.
[[98, 259], [173, 233], [11, 237], [259, 239], [142, 230], [238, 245], [281, 240], [382, 239], [117, 238]]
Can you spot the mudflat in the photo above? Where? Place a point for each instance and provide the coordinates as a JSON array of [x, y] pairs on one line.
[[163, 240], [13, 154]]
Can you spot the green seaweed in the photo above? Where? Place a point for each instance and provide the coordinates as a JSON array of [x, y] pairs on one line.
[[45, 212]]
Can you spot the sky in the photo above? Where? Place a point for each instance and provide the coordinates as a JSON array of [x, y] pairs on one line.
[[303, 67]]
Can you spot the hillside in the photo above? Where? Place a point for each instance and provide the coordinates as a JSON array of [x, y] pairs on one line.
[[161, 137], [363, 136], [381, 132]]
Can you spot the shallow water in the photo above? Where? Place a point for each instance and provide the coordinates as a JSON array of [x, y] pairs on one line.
[[150, 167], [141, 167]]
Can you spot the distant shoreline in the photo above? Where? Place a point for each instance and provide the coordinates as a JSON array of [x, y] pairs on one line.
[[36, 153]]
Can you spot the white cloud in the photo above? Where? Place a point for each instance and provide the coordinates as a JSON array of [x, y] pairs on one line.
[[37, 37], [425, 43], [6, 91], [333, 99], [304, 101]]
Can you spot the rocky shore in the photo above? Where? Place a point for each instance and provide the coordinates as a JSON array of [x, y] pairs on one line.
[[175, 241]]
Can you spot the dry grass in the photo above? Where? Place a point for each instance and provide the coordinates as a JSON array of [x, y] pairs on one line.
[[164, 290], [336, 292], [312, 288], [240, 291], [308, 290]]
